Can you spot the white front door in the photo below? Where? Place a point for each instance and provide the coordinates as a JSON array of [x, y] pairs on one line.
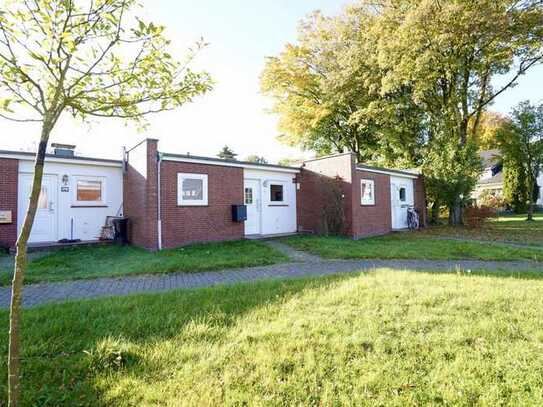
[[401, 198], [44, 228], [253, 202]]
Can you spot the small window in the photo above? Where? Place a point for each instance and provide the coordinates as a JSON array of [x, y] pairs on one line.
[[276, 193], [43, 200], [248, 196], [191, 189], [89, 191], [402, 194], [367, 192]]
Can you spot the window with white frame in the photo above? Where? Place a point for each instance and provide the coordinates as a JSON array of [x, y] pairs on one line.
[[403, 194], [90, 191], [367, 192], [248, 196], [277, 194], [191, 189]]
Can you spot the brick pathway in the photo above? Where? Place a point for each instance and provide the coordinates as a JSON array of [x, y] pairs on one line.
[[306, 266]]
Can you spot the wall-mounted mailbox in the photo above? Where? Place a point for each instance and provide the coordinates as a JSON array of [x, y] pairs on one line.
[[5, 217], [239, 213]]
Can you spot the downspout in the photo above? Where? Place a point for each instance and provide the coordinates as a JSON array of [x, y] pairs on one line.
[[159, 211]]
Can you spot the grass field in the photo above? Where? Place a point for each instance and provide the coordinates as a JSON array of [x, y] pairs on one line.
[[113, 261], [509, 228], [381, 338], [409, 246]]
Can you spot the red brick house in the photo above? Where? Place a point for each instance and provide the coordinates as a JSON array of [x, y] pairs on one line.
[[174, 200], [375, 200]]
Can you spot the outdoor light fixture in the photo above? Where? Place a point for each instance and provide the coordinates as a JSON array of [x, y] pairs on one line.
[[65, 180]]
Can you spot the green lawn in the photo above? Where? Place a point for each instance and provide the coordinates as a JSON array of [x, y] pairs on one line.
[[409, 246], [112, 261], [509, 228], [381, 338]]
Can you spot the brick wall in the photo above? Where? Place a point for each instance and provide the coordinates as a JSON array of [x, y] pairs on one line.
[[8, 200], [371, 220], [420, 200], [314, 176], [140, 195], [183, 225]]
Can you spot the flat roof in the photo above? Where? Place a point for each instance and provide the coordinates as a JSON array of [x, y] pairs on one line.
[[387, 170], [30, 155], [230, 163]]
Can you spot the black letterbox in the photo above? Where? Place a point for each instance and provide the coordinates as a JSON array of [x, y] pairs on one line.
[[239, 213]]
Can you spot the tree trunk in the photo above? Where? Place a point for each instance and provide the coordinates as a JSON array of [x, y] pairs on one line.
[[14, 357], [530, 211], [532, 194], [434, 214], [455, 214]]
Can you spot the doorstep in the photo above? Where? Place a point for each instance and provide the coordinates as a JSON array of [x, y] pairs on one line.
[[271, 236]]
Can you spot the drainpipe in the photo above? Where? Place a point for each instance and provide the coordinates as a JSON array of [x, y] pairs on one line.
[[159, 212]]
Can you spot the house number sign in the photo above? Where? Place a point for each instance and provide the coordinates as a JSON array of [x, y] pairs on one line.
[[5, 217]]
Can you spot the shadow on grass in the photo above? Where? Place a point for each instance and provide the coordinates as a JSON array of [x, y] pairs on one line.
[[68, 347]]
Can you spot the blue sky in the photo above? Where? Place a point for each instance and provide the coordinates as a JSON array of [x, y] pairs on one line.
[[241, 34]]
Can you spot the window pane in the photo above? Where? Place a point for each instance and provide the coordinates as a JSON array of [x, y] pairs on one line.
[[276, 193], [193, 189], [90, 191], [248, 196], [367, 192], [402, 194], [43, 200]]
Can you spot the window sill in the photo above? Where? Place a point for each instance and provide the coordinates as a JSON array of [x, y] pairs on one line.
[[89, 206], [279, 205], [192, 206], [367, 204]]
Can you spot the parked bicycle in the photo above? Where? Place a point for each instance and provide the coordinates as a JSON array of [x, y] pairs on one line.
[[413, 222]]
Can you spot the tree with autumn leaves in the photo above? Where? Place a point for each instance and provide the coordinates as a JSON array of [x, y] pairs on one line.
[[405, 82], [83, 58]]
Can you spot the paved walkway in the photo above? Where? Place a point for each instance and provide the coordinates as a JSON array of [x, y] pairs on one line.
[[305, 266]]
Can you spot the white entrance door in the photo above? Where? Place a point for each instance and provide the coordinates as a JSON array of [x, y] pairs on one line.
[[253, 202], [44, 228], [401, 198]]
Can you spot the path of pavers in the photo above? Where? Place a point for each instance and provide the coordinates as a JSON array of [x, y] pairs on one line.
[[304, 265]]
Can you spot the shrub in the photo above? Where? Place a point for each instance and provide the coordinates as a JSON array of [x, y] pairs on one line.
[[475, 216], [490, 200], [333, 215]]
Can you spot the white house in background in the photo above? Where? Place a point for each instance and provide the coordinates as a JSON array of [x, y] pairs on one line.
[[492, 178], [77, 194]]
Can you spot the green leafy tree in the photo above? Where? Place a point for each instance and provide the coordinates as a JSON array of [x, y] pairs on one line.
[[521, 145], [448, 53], [451, 174], [396, 80], [487, 134], [227, 153], [253, 158], [327, 94], [515, 187], [86, 59]]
